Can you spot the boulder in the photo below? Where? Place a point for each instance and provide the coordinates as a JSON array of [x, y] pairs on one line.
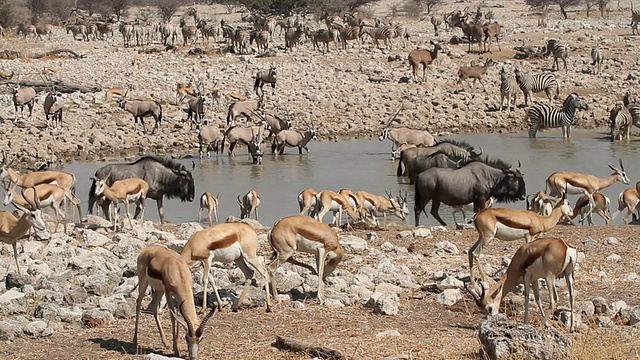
[[385, 299], [449, 297], [506, 339]]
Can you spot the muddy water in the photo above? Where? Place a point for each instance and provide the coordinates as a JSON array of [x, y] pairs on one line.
[[365, 164]]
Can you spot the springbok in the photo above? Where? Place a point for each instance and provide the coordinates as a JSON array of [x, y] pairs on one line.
[[209, 202], [577, 183], [584, 208], [249, 204], [628, 199], [168, 274], [123, 191], [12, 228], [544, 258], [372, 204], [227, 242], [48, 196], [541, 203], [328, 200], [307, 202], [508, 224], [305, 234]]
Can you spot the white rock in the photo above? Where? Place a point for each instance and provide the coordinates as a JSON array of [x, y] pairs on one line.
[[447, 246], [614, 257], [449, 297], [387, 333], [421, 232]]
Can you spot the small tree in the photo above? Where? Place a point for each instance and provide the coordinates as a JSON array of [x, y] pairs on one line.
[[563, 4], [602, 6], [13, 12], [119, 7], [168, 8]]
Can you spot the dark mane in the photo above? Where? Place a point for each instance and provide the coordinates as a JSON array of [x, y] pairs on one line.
[[460, 143], [496, 163], [165, 161]]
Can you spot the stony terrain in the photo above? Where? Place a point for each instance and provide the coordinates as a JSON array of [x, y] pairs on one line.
[[386, 299]]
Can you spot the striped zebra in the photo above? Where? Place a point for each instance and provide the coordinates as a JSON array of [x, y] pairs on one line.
[[349, 33], [402, 33], [530, 84], [597, 57], [508, 89], [620, 120], [325, 37], [292, 37], [541, 115], [386, 33], [633, 107], [241, 40], [559, 51], [635, 20], [261, 37]]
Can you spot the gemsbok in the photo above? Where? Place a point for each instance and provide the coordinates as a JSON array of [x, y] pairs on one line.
[[209, 202], [123, 191], [508, 224], [227, 242], [293, 138], [249, 204], [168, 274], [544, 258], [304, 234]]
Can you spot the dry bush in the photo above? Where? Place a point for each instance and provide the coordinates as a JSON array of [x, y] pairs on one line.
[[13, 12]]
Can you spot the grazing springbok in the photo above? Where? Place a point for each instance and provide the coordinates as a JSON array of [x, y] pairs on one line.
[[249, 204], [53, 108], [305, 234], [141, 109], [584, 208], [210, 138], [168, 274], [544, 258], [209, 202], [541, 203], [63, 179], [48, 196], [372, 204], [123, 191], [237, 242], [265, 77], [12, 228], [293, 138], [422, 57], [577, 183], [307, 202], [24, 95], [628, 199], [508, 224], [328, 200]]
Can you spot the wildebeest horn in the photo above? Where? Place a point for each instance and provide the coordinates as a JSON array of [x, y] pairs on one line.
[[528, 203], [519, 164], [193, 165], [239, 201], [480, 153]]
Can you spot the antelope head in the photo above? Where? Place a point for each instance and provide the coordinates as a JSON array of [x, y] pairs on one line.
[[385, 131], [621, 174]]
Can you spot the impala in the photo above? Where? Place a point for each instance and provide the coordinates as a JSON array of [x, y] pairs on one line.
[[305, 234], [123, 191], [168, 274], [511, 224], [545, 258], [227, 242], [209, 202]]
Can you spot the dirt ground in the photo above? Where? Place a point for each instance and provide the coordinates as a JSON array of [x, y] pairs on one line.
[[427, 329]]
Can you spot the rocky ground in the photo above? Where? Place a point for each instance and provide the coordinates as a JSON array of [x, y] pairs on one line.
[[75, 301]]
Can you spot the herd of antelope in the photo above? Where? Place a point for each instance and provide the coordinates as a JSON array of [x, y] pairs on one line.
[[168, 272]]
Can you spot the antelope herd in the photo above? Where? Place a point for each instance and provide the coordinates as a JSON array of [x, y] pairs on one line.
[[441, 171]]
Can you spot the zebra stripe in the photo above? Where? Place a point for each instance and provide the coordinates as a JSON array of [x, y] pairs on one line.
[[542, 115], [508, 89], [530, 84], [559, 51], [620, 119], [386, 33], [635, 20], [349, 33]]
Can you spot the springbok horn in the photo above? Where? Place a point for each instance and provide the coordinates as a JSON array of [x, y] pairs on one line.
[[200, 329], [621, 166]]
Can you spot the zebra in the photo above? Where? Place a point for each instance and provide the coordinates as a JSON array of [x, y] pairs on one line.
[[386, 33], [542, 115], [262, 38], [620, 120], [241, 39], [324, 36], [635, 20], [402, 33], [559, 51], [349, 33], [292, 37], [633, 107], [530, 84], [265, 76], [508, 88], [597, 57]]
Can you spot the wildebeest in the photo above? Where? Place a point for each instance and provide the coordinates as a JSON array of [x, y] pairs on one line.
[[164, 176], [455, 150], [265, 76], [53, 108], [141, 109], [473, 183], [418, 164]]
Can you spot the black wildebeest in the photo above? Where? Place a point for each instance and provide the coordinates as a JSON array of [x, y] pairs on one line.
[[473, 183], [164, 176], [455, 150], [265, 76]]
